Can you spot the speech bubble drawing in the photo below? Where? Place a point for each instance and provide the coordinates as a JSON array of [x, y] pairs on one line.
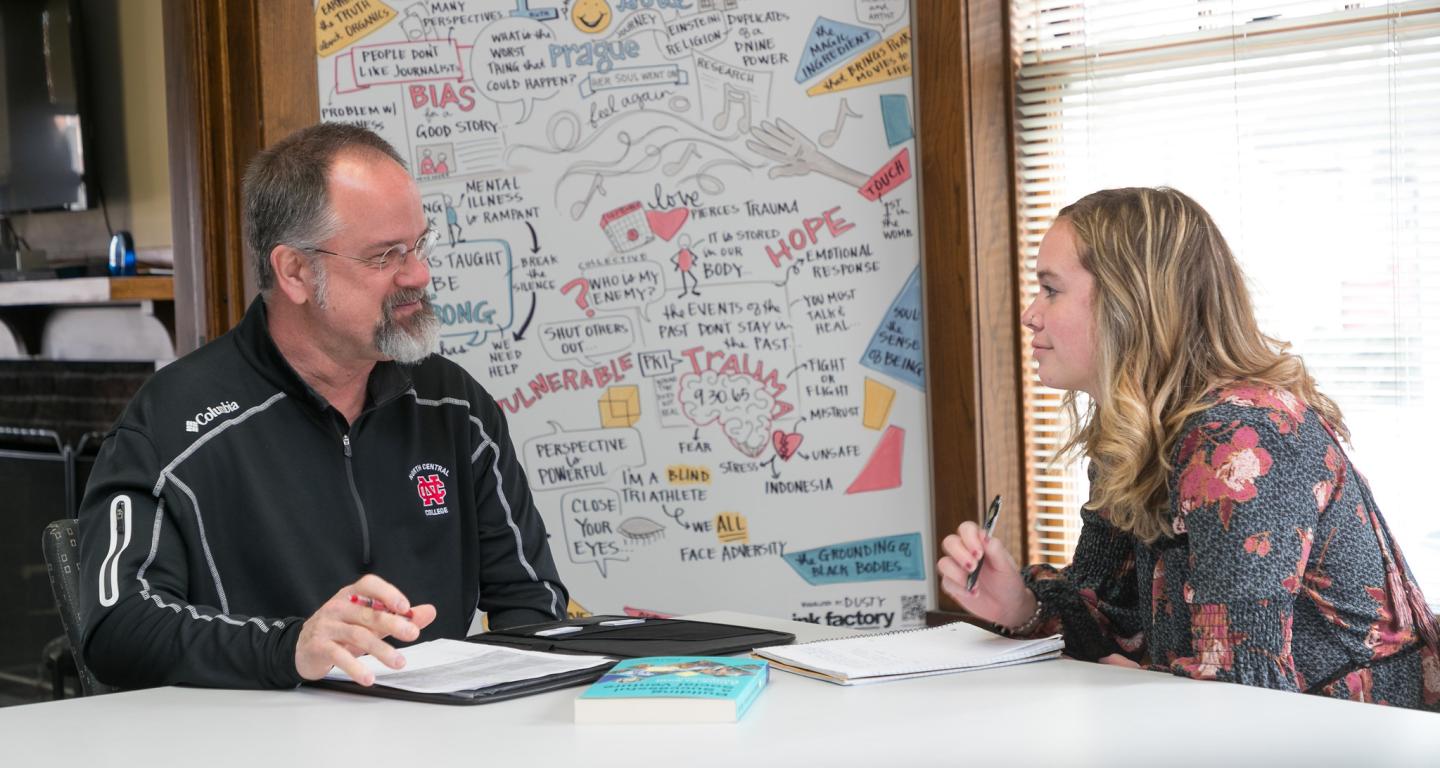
[[632, 285], [510, 63], [470, 287], [585, 340], [657, 363], [564, 459], [880, 13], [695, 32], [592, 520]]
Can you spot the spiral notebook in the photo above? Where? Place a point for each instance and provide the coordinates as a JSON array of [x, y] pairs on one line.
[[957, 647]]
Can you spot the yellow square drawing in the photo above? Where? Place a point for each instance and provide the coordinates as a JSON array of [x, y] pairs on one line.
[[878, 398], [620, 407]]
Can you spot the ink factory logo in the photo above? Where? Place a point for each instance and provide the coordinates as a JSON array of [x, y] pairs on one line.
[[210, 414]]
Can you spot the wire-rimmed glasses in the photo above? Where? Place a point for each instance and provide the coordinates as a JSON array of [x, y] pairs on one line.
[[394, 256]]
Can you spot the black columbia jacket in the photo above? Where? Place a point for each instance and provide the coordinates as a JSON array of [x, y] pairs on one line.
[[231, 501]]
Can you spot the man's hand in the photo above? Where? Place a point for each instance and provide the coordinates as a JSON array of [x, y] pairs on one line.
[[343, 630]]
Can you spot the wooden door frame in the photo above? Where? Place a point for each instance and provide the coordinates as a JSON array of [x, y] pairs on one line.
[[239, 75], [964, 86]]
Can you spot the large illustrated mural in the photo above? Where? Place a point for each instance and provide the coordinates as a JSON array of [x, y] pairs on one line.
[[680, 249]]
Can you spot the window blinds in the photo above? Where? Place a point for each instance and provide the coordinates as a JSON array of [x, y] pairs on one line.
[[1311, 132]]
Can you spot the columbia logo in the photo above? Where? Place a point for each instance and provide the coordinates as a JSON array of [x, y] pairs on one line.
[[210, 414]]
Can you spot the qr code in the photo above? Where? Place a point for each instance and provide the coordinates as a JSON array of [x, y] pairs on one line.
[[912, 607]]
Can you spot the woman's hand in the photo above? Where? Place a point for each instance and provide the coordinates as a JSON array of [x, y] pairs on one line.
[[1000, 595]]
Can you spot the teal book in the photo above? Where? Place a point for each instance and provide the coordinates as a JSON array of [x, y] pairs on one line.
[[674, 689]]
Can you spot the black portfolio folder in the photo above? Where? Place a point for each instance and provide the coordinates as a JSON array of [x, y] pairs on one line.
[[651, 637], [598, 635]]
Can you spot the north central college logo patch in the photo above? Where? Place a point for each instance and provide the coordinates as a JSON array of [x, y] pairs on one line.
[[429, 482], [431, 489]]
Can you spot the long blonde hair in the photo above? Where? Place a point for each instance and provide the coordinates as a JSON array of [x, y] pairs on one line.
[[1173, 320]]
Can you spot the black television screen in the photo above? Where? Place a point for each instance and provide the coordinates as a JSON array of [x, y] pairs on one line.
[[42, 158]]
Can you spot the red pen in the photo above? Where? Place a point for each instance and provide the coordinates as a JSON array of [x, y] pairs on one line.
[[379, 606]]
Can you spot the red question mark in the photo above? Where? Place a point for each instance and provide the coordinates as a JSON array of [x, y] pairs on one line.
[[580, 300]]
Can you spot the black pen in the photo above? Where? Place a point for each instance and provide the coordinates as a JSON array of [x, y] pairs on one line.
[[991, 516]]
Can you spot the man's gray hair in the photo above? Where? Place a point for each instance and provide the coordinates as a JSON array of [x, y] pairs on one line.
[[286, 200]]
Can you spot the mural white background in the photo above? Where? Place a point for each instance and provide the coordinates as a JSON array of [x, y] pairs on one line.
[[680, 250]]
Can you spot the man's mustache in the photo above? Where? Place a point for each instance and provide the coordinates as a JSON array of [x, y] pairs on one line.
[[406, 296]]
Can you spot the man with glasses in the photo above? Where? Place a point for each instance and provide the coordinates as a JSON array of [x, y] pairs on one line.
[[315, 481]]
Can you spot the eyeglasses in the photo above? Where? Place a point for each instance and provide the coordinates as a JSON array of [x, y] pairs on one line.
[[393, 256]]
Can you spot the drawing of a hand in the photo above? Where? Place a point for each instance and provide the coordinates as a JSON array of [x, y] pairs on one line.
[[796, 155]]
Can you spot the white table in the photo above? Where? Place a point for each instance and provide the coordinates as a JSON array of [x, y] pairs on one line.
[[1056, 713]]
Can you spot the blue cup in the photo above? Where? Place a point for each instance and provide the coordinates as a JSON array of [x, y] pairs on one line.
[[122, 254]]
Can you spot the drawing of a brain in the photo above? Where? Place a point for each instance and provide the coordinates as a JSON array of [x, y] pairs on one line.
[[741, 405]]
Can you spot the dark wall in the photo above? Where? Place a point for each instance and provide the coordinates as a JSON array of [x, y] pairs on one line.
[[71, 398]]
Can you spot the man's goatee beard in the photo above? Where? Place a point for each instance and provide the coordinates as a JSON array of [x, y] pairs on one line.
[[412, 339]]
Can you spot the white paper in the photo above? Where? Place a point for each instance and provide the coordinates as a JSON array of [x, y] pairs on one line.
[[446, 666], [949, 648]]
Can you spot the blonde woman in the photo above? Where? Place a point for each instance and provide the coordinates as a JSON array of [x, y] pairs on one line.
[[1227, 536]]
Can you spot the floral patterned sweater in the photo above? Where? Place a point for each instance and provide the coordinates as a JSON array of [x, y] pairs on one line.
[[1281, 574]]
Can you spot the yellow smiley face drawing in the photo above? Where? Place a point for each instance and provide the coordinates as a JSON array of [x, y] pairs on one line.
[[591, 16]]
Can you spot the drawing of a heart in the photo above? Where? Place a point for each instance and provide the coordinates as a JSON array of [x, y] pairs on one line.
[[667, 223], [786, 443]]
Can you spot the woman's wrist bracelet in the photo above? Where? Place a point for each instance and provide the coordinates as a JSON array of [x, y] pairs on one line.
[[1030, 623]]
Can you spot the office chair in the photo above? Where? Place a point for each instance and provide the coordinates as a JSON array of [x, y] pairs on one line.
[[61, 543]]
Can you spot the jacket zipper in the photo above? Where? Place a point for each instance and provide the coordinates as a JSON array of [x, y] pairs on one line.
[[359, 505]]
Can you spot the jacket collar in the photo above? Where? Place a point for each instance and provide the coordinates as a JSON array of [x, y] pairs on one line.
[[388, 379]]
